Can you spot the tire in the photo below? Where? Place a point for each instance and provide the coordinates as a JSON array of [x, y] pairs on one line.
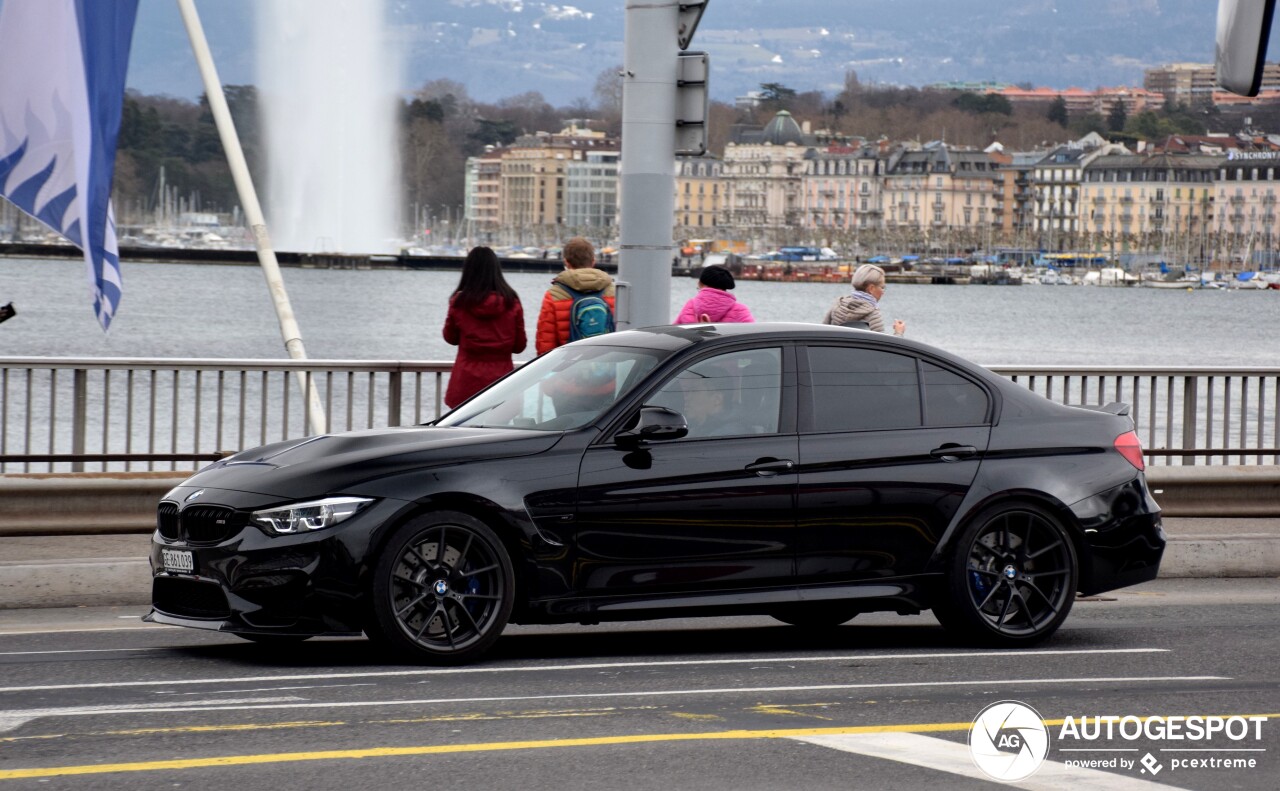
[[816, 616], [1012, 578], [443, 589], [272, 639]]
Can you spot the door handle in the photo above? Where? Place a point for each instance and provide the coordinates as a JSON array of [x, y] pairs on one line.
[[949, 451], [767, 468]]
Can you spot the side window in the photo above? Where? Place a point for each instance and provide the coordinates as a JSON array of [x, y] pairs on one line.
[[863, 389], [952, 400], [727, 395]]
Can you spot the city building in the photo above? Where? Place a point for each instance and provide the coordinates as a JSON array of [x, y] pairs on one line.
[[591, 193], [762, 172], [1083, 102], [482, 194], [1245, 192], [699, 190], [1155, 201], [841, 188], [1197, 83], [1056, 181], [534, 173], [947, 195]]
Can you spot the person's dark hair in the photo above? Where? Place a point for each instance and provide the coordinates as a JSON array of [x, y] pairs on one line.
[[482, 276], [716, 276]]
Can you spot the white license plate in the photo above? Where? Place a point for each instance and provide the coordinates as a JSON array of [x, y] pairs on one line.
[[178, 560]]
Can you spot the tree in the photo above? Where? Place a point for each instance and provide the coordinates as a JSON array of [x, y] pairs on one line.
[[1148, 125], [608, 90], [1058, 112], [489, 132], [1117, 117], [978, 103], [775, 96], [1090, 122]]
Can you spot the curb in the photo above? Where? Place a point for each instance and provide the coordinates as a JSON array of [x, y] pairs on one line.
[[1245, 555], [74, 583], [127, 581]]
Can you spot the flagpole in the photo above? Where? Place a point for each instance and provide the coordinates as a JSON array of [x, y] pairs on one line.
[[253, 211]]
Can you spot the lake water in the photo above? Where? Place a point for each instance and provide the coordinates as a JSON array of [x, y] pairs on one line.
[[188, 310]]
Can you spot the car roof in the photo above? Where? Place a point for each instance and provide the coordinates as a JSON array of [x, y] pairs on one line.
[[675, 337]]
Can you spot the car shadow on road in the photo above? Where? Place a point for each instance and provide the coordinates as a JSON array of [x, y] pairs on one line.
[[627, 642]]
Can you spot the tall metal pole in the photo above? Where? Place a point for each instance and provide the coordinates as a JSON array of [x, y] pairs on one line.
[[253, 211], [648, 161]]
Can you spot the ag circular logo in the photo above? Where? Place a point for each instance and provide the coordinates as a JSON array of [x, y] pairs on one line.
[[1008, 741]]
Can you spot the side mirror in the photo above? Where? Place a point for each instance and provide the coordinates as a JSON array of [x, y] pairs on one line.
[[656, 423], [1244, 27]]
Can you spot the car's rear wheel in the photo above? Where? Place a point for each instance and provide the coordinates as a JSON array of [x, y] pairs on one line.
[[443, 589], [816, 616], [1012, 578]]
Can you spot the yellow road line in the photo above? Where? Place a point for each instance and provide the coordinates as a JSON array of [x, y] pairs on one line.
[[446, 749]]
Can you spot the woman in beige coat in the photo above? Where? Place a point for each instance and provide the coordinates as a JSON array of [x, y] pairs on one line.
[[863, 305]]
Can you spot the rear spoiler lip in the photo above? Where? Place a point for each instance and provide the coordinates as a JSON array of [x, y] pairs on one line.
[[1119, 408]]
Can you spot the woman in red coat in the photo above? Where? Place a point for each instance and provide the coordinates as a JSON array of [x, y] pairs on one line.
[[485, 322]]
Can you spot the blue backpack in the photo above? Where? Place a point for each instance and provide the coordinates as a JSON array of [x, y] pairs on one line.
[[589, 314]]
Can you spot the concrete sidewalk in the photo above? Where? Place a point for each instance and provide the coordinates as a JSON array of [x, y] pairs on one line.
[[108, 570]]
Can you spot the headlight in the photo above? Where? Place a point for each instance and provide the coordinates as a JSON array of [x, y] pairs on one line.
[[312, 515]]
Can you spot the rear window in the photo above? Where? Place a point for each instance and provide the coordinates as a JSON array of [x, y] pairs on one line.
[[863, 389], [951, 399]]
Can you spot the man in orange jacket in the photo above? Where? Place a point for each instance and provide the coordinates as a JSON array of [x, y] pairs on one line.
[[579, 274], [583, 393]]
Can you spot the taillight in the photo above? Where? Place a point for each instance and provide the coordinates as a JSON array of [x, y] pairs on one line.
[[1131, 448]]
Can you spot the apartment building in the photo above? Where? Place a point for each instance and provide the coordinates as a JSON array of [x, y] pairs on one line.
[[1197, 83], [841, 188], [1137, 195], [1080, 101], [762, 173], [591, 192], [483, 191], [943, 188], [1245, 192], [534, 177], [699, 193]]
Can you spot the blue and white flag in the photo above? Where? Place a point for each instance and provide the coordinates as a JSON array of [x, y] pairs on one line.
[[62, 80]]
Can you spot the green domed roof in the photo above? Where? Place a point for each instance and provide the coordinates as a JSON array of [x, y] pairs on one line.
[[782, 129]]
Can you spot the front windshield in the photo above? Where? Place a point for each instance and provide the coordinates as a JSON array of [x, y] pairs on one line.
[[565, 388]]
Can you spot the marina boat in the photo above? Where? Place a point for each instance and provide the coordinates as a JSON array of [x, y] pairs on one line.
[[1109, 276]]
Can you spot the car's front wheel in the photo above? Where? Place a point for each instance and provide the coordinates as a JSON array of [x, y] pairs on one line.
[[1012, 578], [443, 588]]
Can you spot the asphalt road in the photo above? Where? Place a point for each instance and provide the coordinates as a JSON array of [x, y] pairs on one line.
[[93, 698]]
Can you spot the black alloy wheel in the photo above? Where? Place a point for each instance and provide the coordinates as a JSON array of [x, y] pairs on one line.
[[1012, 579], [443, 589]]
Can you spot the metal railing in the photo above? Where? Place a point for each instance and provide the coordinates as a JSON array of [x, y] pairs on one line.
[[124, 414], [110, 414], [1183, 415]]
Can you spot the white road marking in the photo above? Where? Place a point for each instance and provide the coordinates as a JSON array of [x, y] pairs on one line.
[[942, 755], [224, 705], [57, 651], [585, 666], [13, 719]]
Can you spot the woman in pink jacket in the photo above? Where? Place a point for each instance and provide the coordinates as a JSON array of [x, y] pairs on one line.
[[713, 302]]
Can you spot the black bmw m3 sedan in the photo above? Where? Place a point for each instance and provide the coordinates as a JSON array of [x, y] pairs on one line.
[[801, 471]]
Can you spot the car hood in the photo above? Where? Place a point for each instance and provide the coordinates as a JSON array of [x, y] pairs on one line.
[[342, 462]]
